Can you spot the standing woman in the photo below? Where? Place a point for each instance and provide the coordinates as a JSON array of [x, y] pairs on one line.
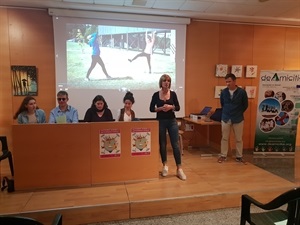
[[164, 103], [28, 112], [99, 111], [148, 49], [126, 113], [96, 58]]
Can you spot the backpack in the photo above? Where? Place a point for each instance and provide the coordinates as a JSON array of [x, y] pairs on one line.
[[9, 184]]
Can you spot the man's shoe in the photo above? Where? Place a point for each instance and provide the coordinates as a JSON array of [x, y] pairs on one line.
[[240, 160], [165, 170], [222, 159], [181, 175]]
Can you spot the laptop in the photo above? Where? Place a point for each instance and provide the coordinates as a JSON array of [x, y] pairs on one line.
[[204, 111], [217, 115]]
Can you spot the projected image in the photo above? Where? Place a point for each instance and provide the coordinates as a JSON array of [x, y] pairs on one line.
[[109, 57], [102, 56]]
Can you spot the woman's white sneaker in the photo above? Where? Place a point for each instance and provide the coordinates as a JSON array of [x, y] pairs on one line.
[[165, 170], [181, 175]]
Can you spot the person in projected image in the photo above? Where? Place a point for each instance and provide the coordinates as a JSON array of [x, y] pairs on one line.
[[63, 113], [164, 103], [80, 40], [94, 41], [99, 111], [150, 39], [29, 112], [126, 113]]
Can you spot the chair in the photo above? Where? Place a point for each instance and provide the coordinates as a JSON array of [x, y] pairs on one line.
[[18, 220], [272, 212], [6, 154]]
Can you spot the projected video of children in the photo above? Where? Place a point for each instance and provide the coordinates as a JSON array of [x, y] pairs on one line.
[[102, 57]]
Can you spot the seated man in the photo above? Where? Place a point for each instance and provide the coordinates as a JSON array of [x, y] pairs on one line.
[[63, 113]]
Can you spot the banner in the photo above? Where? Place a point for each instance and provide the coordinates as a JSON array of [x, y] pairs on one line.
[[277, 112]]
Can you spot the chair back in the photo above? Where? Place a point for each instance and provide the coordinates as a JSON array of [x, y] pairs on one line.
[[4, 143], [57, 220], [18, 220], [6, 154], [272, 211], [295, 214], [292, 198]]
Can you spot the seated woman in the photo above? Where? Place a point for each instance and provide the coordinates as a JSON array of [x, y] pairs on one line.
[[99, 111], [28, 112], [126, 113]]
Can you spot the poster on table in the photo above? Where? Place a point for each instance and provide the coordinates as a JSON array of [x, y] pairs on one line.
[[140, 141], [277, 112], [110, 143]]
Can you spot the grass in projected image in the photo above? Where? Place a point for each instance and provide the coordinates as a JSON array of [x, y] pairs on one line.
[[132, 75]]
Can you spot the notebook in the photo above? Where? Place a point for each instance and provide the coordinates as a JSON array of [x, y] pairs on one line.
[[204, 111], [217, 115]]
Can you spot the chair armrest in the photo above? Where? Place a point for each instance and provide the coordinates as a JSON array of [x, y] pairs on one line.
[[249, 200], [245, 208], [276, 202]]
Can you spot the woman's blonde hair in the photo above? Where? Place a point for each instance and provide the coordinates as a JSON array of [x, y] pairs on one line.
[[163, 78]]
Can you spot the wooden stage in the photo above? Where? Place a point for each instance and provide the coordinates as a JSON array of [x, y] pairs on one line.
[[209, 185]]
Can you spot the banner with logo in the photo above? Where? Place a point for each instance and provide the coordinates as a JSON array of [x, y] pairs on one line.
[[277, 112]]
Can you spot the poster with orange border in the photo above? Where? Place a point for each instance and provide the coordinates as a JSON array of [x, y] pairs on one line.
[[110, 143], [140, 141]]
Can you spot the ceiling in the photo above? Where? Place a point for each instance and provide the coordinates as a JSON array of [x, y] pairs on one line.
[[276, 12]]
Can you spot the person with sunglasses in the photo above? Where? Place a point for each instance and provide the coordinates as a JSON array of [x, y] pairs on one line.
[[29, 112], [63, 113], [164, 103]]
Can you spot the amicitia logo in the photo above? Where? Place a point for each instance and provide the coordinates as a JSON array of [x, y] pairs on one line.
[[284, 77]]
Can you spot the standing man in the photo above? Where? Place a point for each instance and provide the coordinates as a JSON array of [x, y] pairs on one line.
[[63, 113], [234, 102]]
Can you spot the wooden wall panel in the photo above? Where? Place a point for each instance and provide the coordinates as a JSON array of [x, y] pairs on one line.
[[236, 44], [202, 50], [269, 47], [292, 49], [32, 43], [5, 78]]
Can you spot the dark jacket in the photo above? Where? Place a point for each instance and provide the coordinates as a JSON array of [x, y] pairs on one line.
[[233, 109]]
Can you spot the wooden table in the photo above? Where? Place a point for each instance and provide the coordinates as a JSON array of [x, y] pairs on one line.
[[211, 135], [62, 155]]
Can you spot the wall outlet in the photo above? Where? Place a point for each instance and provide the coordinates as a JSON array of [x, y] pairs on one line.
[[189, 127]]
